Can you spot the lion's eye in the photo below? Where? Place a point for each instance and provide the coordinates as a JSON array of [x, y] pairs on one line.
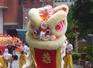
[[59, 27], [36, 32], [48, 31]]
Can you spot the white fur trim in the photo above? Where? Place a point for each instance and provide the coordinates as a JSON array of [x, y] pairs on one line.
[[29, 28], [29, 62], [41, 10], [50, 45]]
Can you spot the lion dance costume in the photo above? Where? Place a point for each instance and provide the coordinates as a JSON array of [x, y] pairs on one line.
[[46, 36]]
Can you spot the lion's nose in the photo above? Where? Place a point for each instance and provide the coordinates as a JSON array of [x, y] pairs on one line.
[[42, 35]]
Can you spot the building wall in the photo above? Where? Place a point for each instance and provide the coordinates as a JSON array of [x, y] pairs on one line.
[[1, 20], [11, 13], [34, 4], [3, 2], [60, 2]]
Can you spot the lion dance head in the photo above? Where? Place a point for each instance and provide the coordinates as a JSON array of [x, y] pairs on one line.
[[46, 36]]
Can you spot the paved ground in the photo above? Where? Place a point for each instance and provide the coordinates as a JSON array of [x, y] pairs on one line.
[[16, 63]]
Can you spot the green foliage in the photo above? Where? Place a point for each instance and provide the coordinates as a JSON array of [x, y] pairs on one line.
[[69, 35], [75, 55], [71, 24], [85, 49], [82, 13], [89, 51], [87, 57]]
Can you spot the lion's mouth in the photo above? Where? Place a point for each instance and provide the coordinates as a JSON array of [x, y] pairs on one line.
[[43, 36]]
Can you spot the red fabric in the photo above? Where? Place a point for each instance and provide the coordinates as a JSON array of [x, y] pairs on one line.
[[67, 54], [2, 49], [39, 53]]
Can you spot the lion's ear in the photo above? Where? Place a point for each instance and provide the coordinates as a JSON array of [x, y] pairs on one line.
[[34, 18], [62, 7]]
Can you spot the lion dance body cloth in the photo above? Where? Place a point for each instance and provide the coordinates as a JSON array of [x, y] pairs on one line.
[[46, 36]]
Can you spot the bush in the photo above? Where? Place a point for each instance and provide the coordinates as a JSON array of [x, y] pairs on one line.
[[89, 52], [86, 50], [75, 55], [87, 57]]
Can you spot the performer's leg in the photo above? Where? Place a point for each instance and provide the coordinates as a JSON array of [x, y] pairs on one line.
[[24, 58], [3, 62], [20, 61], [65, 61], [70, 61]]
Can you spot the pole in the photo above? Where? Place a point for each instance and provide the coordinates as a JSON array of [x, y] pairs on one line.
[[76, 41]]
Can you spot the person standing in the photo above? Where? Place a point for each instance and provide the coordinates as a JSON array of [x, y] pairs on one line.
[[68, 56], [24, 50]]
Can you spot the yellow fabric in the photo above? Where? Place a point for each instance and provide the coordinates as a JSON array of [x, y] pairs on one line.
[[58, 58], [68, 60], [33, 56], [22, 60], [3, 63]]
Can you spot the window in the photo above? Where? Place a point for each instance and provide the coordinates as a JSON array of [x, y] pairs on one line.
[[25, 1], [26, 9], [74, 0], [32, 0], [69, 0], [55, 0], [59, 0], [40, 0], [65, 0], [47, 0], [62, 0]]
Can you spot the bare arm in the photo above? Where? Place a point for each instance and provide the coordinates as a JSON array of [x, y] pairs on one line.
[[11, 64]]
